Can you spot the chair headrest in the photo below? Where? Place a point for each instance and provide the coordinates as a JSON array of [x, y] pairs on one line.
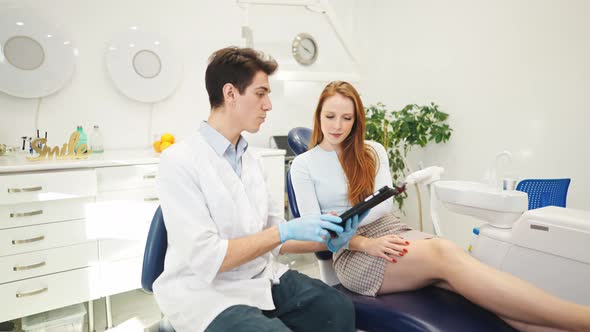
[[298, 139]]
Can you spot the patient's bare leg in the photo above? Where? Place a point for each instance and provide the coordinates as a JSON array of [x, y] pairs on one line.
[[521, 326], [526, 327], [435, 260]]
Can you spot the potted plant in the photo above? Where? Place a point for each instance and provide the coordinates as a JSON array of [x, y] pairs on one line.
[[400, 131]]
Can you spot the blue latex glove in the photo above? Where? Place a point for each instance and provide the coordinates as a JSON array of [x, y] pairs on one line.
[[310, 228], [337, 243]]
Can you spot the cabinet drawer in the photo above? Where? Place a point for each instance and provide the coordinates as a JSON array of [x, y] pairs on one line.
[[25, 214], [120, 276], [31, 296], [126, 177], [34, 264], [114, 250], [46, 186], [122, 215], [147, 195], [31, 238]]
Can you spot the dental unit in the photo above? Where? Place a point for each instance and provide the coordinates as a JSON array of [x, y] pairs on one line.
[[547, 246]]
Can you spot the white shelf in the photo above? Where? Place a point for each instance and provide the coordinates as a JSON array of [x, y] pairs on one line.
[[293, 75]]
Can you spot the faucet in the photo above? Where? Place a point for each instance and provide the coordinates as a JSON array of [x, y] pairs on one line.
[[494, 179]]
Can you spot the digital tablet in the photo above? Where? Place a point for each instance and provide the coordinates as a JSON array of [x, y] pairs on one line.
[[373, 200]]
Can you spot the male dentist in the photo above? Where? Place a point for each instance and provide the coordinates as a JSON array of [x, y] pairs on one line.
[[219, 274]]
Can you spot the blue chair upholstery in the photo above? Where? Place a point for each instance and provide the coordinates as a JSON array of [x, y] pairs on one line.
[[298, 139], [155, 251], [545, 192], [291, 196], [153, 259], [430, 309]]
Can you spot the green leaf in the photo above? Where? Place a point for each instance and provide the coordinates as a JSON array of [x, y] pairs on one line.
[[413, 125]]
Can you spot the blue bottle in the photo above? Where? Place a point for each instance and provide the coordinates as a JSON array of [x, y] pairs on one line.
[[83, 139]]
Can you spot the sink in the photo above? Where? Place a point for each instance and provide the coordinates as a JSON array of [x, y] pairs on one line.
[[500, 208]]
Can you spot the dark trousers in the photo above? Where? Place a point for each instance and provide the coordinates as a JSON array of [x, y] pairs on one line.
[[302, 304]]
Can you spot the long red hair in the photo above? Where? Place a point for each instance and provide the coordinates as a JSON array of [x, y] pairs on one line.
[[358, 160]]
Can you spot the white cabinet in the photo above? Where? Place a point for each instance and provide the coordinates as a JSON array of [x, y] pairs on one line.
[[42, 262], [126, 201], [44, 242], [33, 213], [31, 296], [74, 231], [46, 186], [126, 177], [45, 236]]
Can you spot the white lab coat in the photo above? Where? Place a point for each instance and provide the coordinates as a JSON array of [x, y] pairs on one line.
[[205, 204]]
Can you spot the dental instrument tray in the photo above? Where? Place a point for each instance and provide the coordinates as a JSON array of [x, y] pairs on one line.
[[373, 200]]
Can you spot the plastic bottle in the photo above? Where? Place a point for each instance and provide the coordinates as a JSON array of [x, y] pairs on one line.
[[474, 239], [96, 142], [83, 139]]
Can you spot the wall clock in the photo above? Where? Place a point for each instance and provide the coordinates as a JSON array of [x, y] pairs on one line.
[[304, 49]]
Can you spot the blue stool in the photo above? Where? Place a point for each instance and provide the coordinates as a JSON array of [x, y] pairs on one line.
[[153, 259], [545, 192]]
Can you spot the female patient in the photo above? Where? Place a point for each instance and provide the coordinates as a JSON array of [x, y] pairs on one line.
[[386, 256]]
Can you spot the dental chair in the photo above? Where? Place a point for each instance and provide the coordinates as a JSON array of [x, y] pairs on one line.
[[545, 192], [429, 309], [153, 261]]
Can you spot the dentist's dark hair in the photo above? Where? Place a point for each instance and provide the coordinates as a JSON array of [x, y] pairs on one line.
[[237, 66], [358, 159]]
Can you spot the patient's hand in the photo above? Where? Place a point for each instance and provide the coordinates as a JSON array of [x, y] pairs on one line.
[[386, 247]]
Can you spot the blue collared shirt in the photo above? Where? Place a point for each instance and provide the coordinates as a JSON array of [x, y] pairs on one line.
[[223, 147]]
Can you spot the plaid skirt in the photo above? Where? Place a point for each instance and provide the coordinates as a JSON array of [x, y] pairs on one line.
[[361, 272]]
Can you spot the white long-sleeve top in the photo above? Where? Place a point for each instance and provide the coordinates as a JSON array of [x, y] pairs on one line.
[[320, 184]]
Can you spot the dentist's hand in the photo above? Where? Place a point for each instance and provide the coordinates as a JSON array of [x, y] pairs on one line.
[[337, 243], [310, 228]]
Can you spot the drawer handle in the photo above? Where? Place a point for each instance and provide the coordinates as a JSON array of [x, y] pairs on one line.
[[22, 190], [28, 267], [39, 291], [34, 239], [151, 199], [26, 214], [150, 176]]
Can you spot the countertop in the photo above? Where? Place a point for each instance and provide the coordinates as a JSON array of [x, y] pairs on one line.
[[17, 163]]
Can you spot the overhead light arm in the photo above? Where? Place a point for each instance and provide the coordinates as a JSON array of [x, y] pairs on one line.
[[320, 6], [335, 23], [280, 2]]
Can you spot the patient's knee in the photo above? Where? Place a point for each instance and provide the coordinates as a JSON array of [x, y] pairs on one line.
[[445, 250]]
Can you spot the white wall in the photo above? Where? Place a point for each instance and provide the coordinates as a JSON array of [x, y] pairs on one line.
[[196, 28], [274, 28], [513, 75]]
